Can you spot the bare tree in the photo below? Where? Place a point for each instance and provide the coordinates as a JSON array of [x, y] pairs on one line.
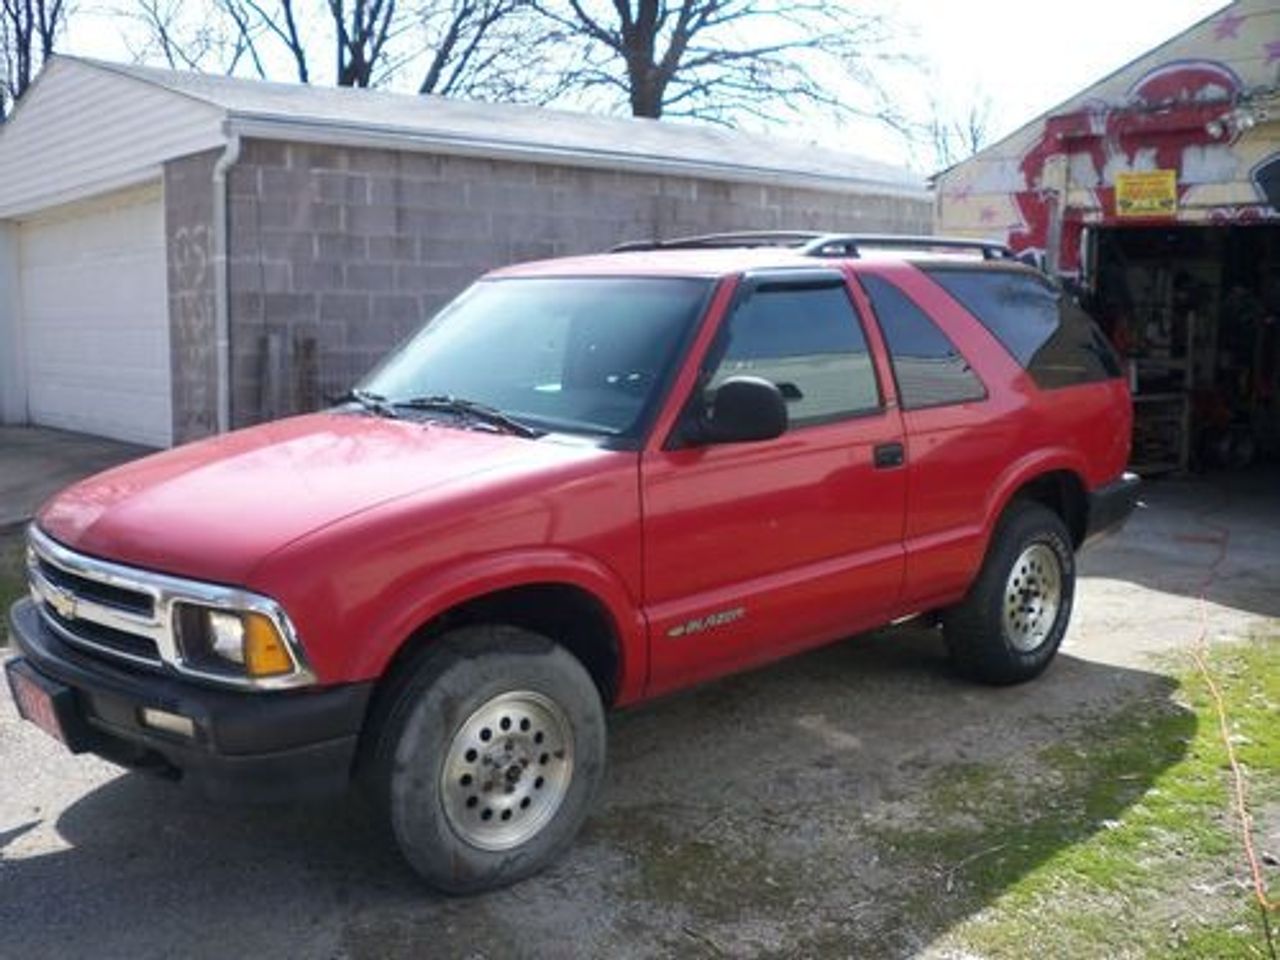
[[362, 29], [225, 34], [280, 20], [216, 38], [6, 63], [468, 46], [459, 46], [720, 60], [31, 28], [949, 137]]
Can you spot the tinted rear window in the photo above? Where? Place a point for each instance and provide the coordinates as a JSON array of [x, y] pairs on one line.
[[1041, 326]]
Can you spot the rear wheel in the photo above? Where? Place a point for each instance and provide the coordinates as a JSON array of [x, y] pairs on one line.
[[489, 757], [1012, 622]]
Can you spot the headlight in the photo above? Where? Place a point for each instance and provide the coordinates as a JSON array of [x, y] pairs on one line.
[[225, 635], [232, 642]]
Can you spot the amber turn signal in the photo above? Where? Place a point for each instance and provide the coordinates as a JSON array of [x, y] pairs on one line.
[[265, 654]]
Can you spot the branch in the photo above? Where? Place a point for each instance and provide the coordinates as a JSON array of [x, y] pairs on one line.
[[721, 58], [287, 33]]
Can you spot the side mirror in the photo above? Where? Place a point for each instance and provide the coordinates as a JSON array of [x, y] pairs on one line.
[[742, 410]]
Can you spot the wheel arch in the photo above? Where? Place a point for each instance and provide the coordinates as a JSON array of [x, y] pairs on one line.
[[565, 613], [1063, 492], [572, 599], [1054, 479]]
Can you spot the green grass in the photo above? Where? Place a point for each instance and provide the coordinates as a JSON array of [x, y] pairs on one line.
[[1119, 841], [13, 583]]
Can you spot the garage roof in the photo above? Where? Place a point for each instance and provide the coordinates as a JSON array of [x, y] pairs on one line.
[[149, 115]]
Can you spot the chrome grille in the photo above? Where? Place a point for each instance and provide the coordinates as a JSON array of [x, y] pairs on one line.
[[86, 633], [130, 601], [92, 606], [128, 615]]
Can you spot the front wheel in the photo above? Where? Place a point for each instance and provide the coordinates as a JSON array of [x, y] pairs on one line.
[[489, 757], [1012, 622]]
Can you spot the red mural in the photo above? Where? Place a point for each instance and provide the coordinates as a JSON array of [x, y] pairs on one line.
[[1173, 108]]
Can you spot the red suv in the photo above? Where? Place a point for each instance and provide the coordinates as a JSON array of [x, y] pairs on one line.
[[586, 482]]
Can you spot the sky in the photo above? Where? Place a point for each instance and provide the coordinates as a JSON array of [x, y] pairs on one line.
[[1031, 55], [1025, 57]]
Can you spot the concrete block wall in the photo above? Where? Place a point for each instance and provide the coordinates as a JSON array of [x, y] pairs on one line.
[[337, 254], [189, 254]]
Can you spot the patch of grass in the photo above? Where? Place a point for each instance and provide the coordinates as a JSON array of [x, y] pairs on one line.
[[13, 578], [1120, 841], [675, 871]]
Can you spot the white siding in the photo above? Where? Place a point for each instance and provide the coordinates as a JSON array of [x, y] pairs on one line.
[[80, 131], [95, 318]]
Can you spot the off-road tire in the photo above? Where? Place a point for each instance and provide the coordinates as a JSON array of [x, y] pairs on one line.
[[422, 724], [982, 642]]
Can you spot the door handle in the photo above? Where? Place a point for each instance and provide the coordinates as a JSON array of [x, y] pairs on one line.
[[888, 455]]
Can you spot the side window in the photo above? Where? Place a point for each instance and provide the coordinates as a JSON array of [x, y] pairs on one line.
[[1042, 327], [929, 369], [807, 340]]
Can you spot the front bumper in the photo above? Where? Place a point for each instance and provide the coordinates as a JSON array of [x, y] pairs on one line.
[[245, 745], [1111, 505]]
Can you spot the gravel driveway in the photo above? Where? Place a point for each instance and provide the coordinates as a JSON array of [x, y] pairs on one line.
[[744, 818]]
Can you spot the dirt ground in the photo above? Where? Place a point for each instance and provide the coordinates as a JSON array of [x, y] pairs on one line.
[[768, 814]]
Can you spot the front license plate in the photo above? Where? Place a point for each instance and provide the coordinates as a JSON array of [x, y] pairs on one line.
[[34, 699]]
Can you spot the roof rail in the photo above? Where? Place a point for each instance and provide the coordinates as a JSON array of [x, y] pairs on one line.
[[814, 243], [851, 245], [750, 238]]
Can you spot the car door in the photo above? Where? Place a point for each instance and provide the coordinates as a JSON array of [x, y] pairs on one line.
[[753, 550], [960, 434]]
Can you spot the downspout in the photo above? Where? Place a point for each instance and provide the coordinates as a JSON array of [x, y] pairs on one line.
[[221, 280], [1054, 181]]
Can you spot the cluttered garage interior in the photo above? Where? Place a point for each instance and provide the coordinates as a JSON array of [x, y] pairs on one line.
[[1157, 193]]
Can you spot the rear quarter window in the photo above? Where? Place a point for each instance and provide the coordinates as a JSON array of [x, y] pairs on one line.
[[929, 370], [1043, 327]]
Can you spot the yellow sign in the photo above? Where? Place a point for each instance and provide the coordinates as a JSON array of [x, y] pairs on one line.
[[1147, 193]]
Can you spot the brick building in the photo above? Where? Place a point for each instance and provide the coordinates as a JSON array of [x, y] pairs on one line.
[[183, 253]]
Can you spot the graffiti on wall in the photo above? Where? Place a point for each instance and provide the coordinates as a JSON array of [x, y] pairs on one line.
[[1216, 130], [1178, 117], [191, 289]]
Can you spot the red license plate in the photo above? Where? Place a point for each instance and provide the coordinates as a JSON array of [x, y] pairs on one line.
[[35, 703]]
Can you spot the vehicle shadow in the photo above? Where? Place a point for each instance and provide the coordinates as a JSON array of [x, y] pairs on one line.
[[1219, 533], [791, 811]]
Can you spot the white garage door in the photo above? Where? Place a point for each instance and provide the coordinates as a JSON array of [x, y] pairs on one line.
[[95, 318]]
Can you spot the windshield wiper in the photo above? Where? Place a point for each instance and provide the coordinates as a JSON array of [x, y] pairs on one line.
[[373, 402], [470, 408]]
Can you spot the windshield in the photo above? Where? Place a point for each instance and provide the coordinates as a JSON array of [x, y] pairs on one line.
[[566, 354]]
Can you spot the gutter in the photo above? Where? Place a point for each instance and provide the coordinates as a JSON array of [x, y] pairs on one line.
[[221, 280]]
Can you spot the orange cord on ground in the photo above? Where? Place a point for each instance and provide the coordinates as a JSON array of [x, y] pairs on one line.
[[1240, 786]]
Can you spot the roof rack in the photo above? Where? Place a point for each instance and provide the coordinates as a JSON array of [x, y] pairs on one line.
[[851, 245], [752, 238], [812, 243]]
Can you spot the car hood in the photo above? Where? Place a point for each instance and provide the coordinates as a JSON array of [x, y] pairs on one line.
[[213, 510]]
